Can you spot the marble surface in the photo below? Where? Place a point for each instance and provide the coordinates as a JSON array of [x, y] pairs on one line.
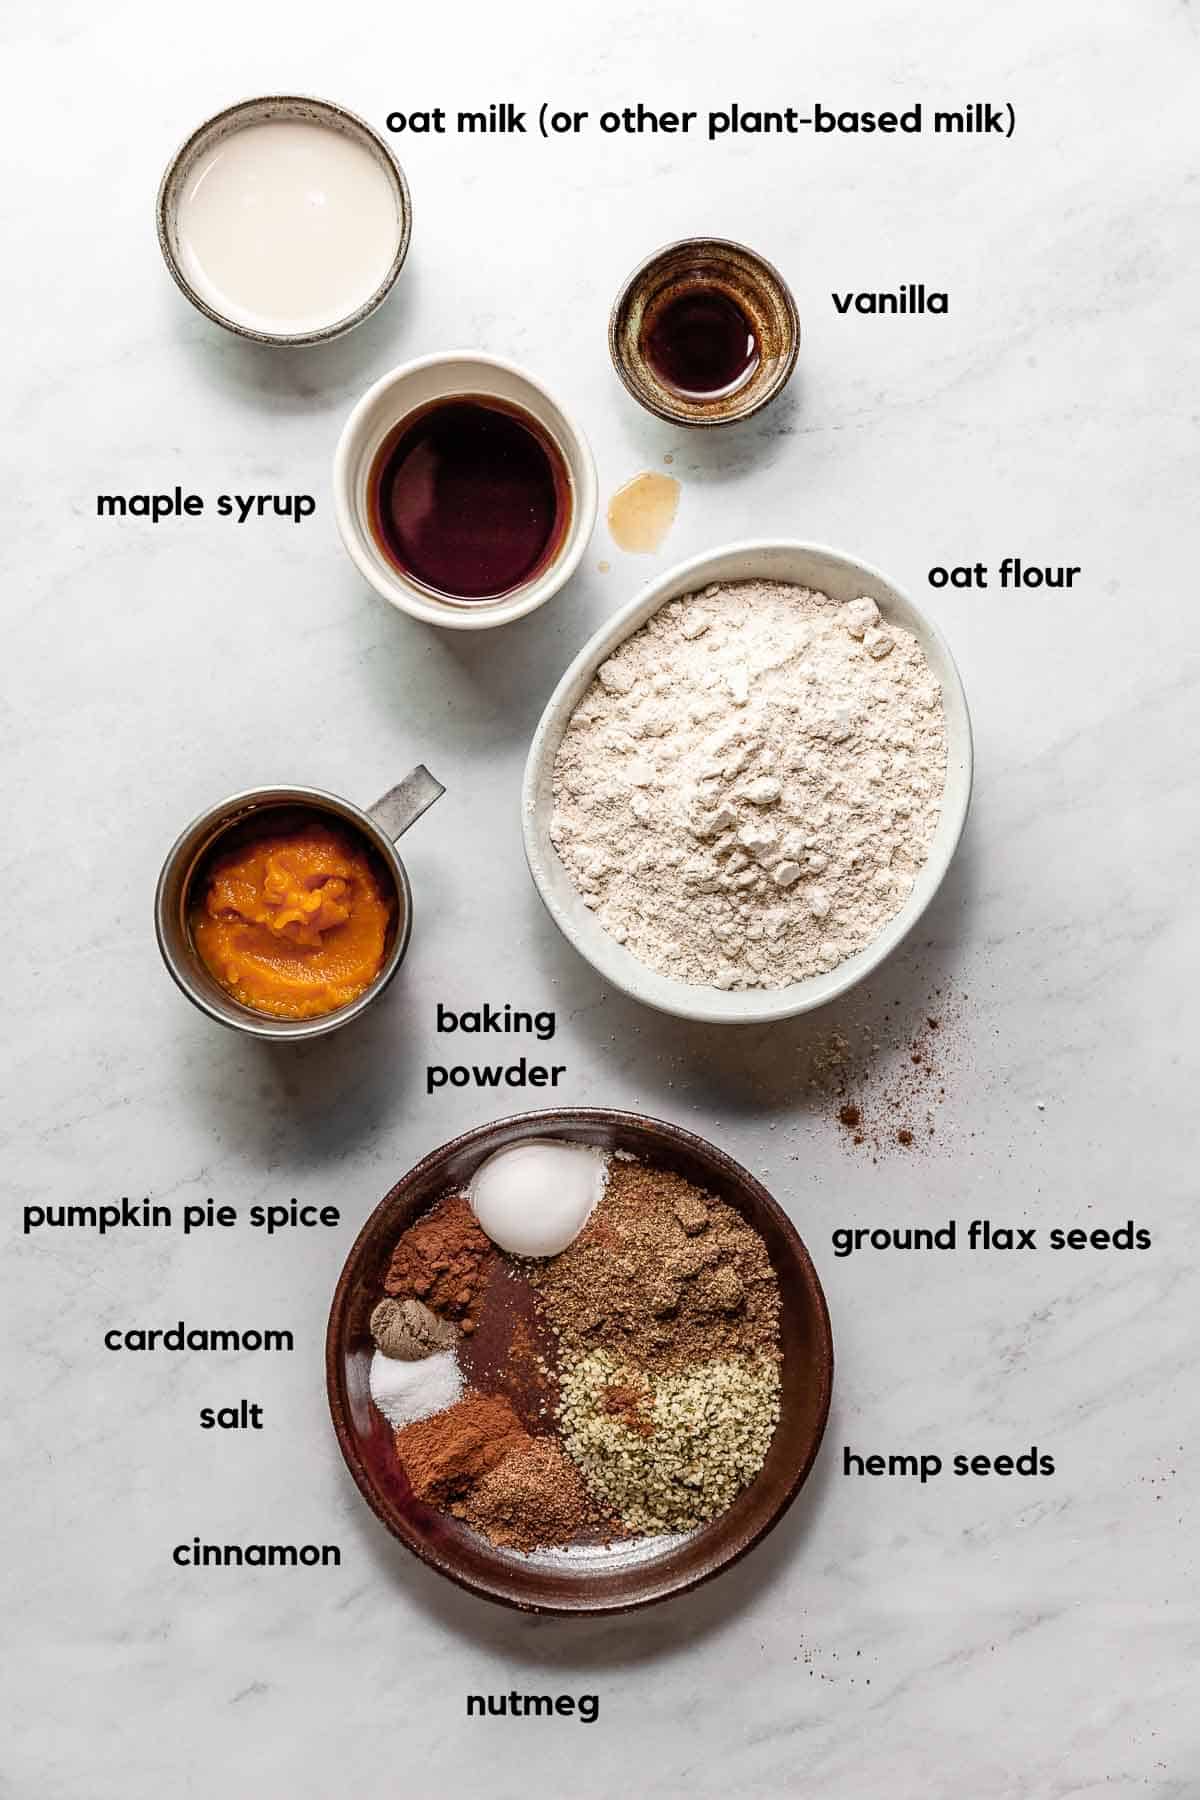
[[1003, 1640]]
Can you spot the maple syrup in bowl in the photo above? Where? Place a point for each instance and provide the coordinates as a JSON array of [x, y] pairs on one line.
[[470, 498], [463, 491], [704, 332]]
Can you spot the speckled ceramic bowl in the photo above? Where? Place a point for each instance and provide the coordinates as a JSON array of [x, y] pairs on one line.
[[257, 112], [595, 1578], [831, 572], [744, 277]]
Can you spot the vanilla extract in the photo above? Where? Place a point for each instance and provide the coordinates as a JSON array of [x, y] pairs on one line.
[[698, 340]]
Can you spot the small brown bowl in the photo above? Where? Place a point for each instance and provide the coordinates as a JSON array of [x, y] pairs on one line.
[[743, 277], [591, 1579]]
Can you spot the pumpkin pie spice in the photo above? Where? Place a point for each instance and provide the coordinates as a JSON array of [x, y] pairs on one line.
[[444, 1260]]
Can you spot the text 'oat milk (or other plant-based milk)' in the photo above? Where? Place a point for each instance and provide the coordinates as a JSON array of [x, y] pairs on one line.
[[287, 226]]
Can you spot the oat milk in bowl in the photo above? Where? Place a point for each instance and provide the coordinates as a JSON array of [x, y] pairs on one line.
[[748, 787], [284, 219]]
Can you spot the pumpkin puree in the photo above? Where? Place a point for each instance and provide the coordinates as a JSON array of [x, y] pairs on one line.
[[294, 924]]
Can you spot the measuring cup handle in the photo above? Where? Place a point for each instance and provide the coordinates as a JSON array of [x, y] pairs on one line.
[[403, 805]]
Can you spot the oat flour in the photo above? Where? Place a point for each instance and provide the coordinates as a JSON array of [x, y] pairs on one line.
[[747, 790]]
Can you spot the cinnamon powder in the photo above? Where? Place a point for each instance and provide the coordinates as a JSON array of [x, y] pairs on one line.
[[446, 1455], [629, 1404]]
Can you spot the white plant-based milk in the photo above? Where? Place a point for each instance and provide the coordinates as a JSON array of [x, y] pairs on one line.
[[287, 226]]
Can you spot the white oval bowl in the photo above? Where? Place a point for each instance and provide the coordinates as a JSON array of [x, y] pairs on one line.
[[830, 572], [442, 377]]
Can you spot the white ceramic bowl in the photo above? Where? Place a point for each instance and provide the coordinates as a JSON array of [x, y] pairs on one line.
[[831, 572], [393, 398]]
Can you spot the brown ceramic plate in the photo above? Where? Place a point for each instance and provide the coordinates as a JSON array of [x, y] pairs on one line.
[[593, 1578]]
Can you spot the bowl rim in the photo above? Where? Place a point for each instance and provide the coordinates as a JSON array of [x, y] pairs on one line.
[[533, 594], [680, 999], [324, 334], [787, 363], [555, 1118]]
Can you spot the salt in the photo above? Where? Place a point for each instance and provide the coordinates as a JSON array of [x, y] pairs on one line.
[[407, 1391]]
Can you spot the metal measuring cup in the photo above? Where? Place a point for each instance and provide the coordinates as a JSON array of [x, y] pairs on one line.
[[380, 826]]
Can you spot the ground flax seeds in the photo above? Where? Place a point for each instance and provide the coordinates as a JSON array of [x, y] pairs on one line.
[[663, 1276]]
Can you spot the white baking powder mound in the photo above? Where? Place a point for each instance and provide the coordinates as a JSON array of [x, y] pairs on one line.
[[534, 1198]]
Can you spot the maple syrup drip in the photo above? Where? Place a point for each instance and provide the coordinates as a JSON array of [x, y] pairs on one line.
[[641, 513]]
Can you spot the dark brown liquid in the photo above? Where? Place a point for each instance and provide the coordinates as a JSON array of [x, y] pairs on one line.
[[700, 342], [470, 498]]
